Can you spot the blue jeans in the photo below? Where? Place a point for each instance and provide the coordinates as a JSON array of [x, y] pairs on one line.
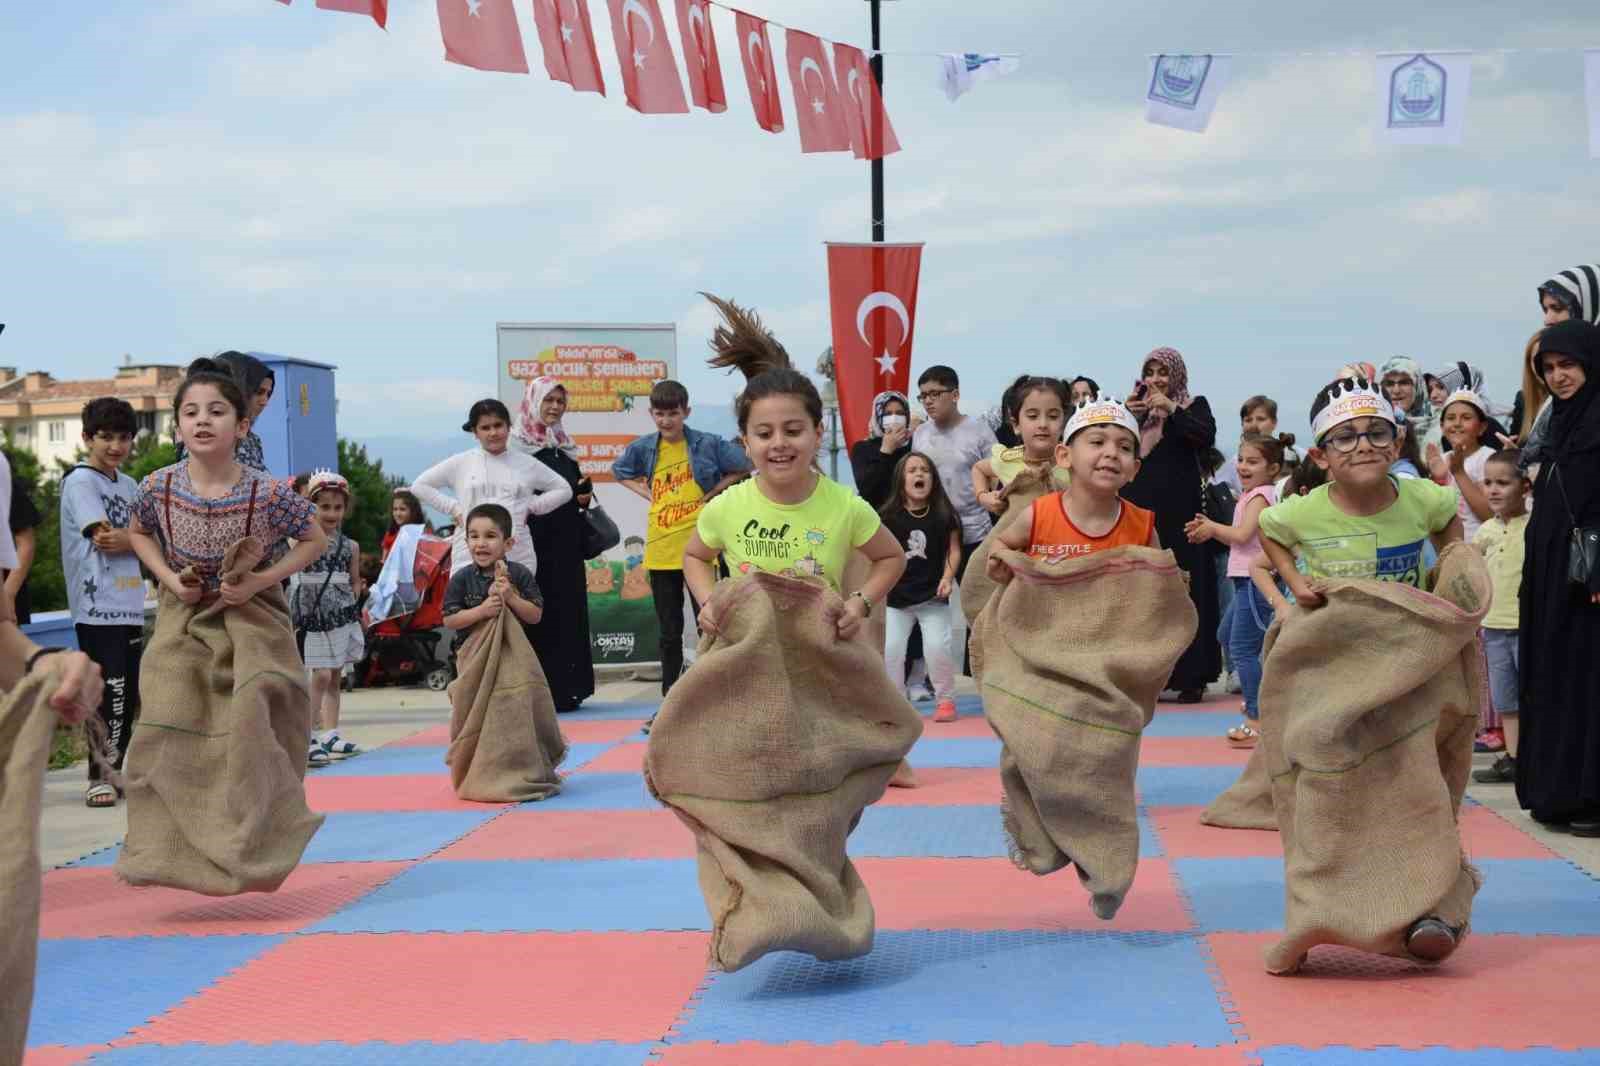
[[1248, 623], [1224, 601]]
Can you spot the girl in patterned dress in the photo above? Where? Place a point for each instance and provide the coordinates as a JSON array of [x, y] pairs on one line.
[[322, 604]]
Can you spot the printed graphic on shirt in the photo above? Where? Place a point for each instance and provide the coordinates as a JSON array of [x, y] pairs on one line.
[[917, 545], [675, 503], [1359, 556], [781, 549]]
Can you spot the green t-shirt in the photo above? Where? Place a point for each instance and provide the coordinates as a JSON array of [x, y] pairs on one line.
[[1387, 546], [814, 538]]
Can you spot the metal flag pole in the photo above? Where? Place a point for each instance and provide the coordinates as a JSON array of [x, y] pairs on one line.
[[877, 119]]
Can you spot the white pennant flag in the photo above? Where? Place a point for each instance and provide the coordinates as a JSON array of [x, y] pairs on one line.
[[1591, 93], [959, 72], [1183, 90], [1422, 97]]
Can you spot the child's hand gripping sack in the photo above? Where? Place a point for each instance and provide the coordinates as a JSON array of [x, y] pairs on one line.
[[978, 583]]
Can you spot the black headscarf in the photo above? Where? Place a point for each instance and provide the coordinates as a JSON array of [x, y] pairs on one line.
[[247, 370], [1574, 422]]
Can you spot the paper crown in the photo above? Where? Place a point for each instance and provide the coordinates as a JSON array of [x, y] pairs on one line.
[[322, 480], [1465, 396], [1357, 400], [1106, 411]]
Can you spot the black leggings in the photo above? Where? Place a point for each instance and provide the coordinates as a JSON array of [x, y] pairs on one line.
[[116, 650]]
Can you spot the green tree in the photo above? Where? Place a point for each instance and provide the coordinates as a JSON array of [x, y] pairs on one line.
[[367, 520], [47, 585], [150, 453]]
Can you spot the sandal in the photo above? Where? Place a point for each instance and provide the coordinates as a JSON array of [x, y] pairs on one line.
[[1243, 735], [317, 755], [99, 794], [340, 748]]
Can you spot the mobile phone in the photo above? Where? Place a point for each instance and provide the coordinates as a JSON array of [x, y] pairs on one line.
[[1139, 389]]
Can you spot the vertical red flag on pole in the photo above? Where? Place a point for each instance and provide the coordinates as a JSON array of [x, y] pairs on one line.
[[872, 294], [755, 55], [818, 112], [482, 34], [700, 56], [567, 40], [378, 9], [871, 136], [649, 73]]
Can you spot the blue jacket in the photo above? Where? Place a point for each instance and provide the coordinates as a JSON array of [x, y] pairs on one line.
[[710, 457]]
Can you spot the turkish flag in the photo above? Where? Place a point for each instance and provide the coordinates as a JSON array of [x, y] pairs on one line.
[[755, 55], [378, 9], [649, 73], [871, 136], [818, 112], [872, 294], [482, 34], [567, 40], [700, 56]]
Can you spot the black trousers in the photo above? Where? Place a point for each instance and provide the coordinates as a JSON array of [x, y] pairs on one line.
[[668, 589], [116, 650]]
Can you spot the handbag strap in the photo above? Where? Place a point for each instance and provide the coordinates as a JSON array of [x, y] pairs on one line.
[[338, 546], [1555, 475]]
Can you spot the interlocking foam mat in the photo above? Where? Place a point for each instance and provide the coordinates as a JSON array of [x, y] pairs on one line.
[[422, 929]]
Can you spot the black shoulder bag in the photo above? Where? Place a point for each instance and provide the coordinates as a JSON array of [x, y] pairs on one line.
[[1583, 554], [300, 633]]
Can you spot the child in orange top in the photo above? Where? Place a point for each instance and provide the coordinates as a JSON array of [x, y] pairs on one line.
[[1102, 454]]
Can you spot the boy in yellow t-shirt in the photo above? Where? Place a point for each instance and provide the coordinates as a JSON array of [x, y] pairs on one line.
[[1500, 539], [677, 469]]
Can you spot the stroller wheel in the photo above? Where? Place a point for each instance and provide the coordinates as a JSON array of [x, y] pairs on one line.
[[439, 679]]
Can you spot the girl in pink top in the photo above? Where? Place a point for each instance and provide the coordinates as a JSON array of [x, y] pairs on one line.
[[1245, 625]]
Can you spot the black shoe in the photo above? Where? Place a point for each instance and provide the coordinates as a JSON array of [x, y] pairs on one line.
[[1430, 940], [1503, 772], [1191, 695], [1585, 825], [645, 729]]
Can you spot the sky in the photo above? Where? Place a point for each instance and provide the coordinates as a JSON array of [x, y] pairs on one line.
[[193, 175]]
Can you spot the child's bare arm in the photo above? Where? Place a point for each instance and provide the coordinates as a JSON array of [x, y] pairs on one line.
[[1449, 534], [1473, 493], [525, 609], [1261, 574], [1282, 560]]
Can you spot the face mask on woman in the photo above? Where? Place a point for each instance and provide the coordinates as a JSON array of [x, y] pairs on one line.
[[893, 422]]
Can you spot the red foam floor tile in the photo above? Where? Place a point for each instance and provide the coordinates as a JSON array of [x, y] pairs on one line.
[[960, 729], [435, 736], [622, 759], [1495, 991], [1184, 836], [387, 792], [986, 894], [486, 987], [1486, 835], [1190, 751], [58, 1056], [946, 1055], [555, 834], [92, 902], [948, 786]]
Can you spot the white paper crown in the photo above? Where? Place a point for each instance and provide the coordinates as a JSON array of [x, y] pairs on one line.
[[1466, 396], [1358, 400], [321, 480], [1106, 411]]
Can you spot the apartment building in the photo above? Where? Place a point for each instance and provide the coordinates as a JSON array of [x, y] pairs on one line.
[[42, 414]]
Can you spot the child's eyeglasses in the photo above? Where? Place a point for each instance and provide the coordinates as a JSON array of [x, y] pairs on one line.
[[1380, 435], [929, 395]]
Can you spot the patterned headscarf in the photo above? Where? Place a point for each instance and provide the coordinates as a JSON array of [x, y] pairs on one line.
[[879, 402], [1579, 289], [1421, 418], [1155, 421], [531, 430]]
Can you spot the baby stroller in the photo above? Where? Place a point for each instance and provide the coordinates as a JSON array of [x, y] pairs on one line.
[[403, 613]]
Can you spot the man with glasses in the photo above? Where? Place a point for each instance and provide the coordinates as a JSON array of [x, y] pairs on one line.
[[956, 444]]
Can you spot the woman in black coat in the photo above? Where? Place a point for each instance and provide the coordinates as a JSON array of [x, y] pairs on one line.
[[561, 636], [873, 458], [1176, 430]]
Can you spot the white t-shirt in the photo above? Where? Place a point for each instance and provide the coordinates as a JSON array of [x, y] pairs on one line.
[[1474, 467], [519, 483], [955, 451], [102, 590]]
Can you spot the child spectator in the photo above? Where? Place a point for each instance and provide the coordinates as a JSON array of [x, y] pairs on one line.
[[678, 470], [404, 510], [1500, 539], [23, 520], [1037, 413], [919, 515], [477, 592], [327, 622], [1463, 420], [105, 590]]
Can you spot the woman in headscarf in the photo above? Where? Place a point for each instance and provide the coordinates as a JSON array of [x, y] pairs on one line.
[[888, 439], [1083, 389], [561, 636], [1403, 386], [1558, 759], [1570, 295], [1175, 431]]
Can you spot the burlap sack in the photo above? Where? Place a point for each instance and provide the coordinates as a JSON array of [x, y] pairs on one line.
[[215, 772], [27, 724], [1247, 804], [768, 749], [505, 743], [976, 585], [1369, 705], [1074, 656]]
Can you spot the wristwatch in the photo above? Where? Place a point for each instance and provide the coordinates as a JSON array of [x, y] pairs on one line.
[[864, 602]]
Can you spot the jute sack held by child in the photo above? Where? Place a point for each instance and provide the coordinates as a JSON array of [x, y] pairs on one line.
[[1073, 651], [505, 742], [787, 726], [977, 586]]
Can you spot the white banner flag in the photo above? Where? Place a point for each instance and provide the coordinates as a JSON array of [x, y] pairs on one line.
[[1422, 98], [959, 72], [1183, 90], [1591, 93]]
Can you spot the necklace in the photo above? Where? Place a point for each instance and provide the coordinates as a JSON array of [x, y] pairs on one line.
[[919, 514]]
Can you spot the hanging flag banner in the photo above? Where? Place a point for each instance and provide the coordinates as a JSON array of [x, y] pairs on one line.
[[567, 40], [649, 73], [700, 60], [1183, 90], [1591, 93], [959, 72], [872, 295], [871, 135], [818, 112], [482, 34], [1422, 97], [377, 9], [755, 55]]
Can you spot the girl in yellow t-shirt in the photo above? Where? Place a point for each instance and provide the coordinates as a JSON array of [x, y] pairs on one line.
[[1037, 409]]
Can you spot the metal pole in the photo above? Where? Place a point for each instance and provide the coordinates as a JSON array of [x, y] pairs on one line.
[[877, 164]]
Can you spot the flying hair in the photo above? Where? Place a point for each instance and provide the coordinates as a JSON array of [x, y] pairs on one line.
[[742, 343]]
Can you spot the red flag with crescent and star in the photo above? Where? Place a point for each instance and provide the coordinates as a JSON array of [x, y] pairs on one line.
[[649, 73], [871, 136], [482, 34], [818, 111], [567, 39], [872, 294], [700, 56], [755, 55]]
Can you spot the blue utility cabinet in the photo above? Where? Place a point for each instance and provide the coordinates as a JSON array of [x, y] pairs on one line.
[[299, 429]]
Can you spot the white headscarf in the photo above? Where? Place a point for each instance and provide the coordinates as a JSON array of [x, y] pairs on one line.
[[531, 430]]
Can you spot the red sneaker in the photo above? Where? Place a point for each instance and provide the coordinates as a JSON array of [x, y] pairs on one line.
[[945, 712]]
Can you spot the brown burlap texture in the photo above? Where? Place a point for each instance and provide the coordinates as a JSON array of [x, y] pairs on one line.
[[768, 749], [1368, 708], [215, 772], [976, 584], [1072, 658], [27, 724], [505, 743], [1247, 803]]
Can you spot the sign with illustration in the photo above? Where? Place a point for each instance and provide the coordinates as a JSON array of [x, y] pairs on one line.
[[608, 371]]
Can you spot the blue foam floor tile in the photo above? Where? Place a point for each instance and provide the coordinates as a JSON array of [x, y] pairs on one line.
[[578, 754], [953, 832], [152, 975], [516, 896], [460, 1053], [385, 762], [955, 752], [592, 711], [1535, 897], [1191, 723], [391, 836], [584, 791], [1184, 786], [103, 857], [1432, 1056], [1235, 895], [971, 987]]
